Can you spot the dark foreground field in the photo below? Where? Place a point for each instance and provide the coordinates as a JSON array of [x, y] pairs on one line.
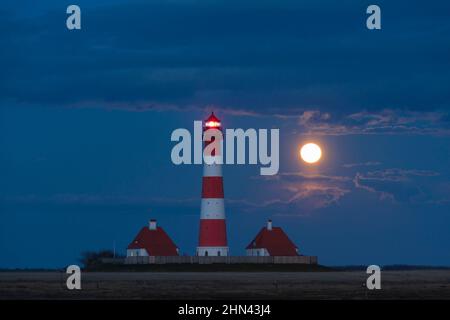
[[420, 284]]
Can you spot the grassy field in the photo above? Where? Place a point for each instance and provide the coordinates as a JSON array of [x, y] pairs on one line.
[[411, 284]]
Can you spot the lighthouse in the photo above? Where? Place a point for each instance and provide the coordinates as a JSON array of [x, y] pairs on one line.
[[213, 231]]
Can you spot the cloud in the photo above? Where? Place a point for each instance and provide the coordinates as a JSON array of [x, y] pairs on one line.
[[299, 193], [401, 185], [288, 193], [257, 57], [387, 121], [362, 164], [71, 199], [395, 174]]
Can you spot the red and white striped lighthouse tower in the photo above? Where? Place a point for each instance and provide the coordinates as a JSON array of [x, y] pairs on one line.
[[213, 231]]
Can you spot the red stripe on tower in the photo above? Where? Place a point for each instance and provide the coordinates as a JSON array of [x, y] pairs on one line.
[[212, 187], [213, 231]]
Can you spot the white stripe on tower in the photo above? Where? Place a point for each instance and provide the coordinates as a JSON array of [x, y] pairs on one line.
[[212, 208], [212, 170]]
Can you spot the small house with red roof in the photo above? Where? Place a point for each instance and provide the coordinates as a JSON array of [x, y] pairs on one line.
[[152, 241], [271, 241]]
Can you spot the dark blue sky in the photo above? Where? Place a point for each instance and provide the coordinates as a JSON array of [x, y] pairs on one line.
[[86, 118]]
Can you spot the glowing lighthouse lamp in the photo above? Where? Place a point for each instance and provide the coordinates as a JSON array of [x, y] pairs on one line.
[[212, 123], [213, 232]]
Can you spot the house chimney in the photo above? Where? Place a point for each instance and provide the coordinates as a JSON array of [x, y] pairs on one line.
[[269, 225], [152, 224]]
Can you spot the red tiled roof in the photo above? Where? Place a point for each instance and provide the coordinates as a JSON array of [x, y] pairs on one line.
[[275, 241], [156, 242]]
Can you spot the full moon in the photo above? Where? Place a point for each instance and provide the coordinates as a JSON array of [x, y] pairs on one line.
[[311, 153]]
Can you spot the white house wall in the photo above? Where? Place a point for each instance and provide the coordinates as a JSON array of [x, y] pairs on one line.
[[258, 252], [137, 253]]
